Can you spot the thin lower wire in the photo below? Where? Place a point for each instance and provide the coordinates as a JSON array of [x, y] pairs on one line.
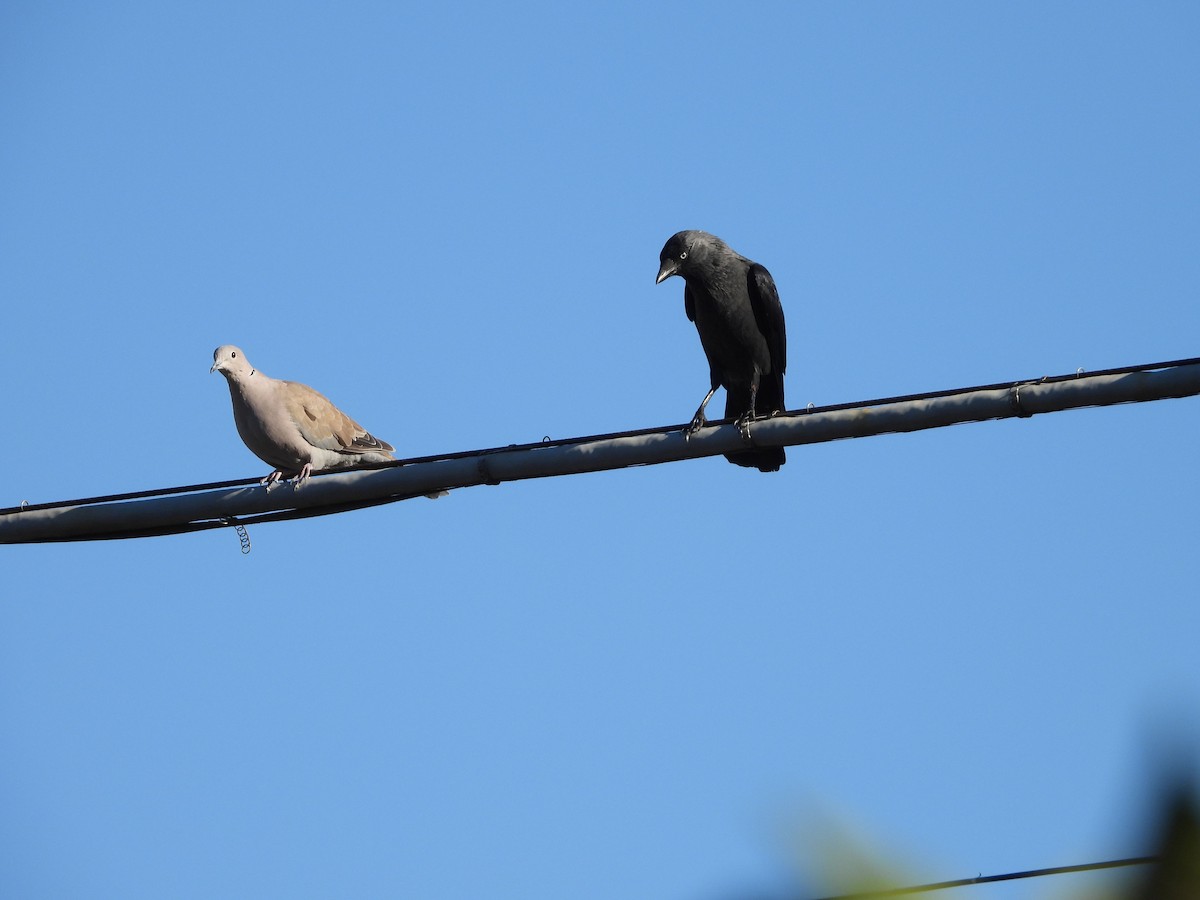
[[988, 879], [208, 524]]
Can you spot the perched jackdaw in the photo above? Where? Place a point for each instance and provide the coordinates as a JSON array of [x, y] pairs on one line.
[[736, 309]]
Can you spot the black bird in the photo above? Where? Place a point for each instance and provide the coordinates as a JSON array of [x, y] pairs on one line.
[[737, 312]]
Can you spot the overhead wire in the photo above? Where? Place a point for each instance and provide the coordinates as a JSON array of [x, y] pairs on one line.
[[990, 879], [198, 507], [637, 432]]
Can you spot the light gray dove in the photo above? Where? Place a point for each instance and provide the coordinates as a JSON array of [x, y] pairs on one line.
[[290, 426]]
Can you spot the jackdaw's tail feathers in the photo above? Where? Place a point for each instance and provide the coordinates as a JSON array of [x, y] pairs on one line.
[[767, 459]]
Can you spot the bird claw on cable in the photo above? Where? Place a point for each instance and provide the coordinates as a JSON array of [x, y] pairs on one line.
[[743, 424]]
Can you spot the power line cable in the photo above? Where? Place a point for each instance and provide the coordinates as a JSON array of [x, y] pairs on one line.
[[989, 879], [231, 503]]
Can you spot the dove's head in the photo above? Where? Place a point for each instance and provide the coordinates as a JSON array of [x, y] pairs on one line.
[[231, 362]]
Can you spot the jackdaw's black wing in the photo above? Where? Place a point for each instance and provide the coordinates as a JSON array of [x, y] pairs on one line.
[[689, 302], [768, 313], [768, 318]]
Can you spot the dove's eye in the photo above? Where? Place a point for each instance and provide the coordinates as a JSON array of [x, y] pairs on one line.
[[233, 355]]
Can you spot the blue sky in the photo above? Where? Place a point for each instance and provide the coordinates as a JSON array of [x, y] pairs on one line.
[[970, 649]]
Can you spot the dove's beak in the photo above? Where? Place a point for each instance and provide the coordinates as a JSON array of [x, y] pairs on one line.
[[214, 368]]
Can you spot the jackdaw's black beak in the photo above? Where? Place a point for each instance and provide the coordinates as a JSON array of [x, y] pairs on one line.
[[668, 268]]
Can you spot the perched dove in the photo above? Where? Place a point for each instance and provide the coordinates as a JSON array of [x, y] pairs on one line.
[[290, 426]]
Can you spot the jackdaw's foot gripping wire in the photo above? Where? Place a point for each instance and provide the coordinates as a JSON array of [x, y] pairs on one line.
[[743, 423]]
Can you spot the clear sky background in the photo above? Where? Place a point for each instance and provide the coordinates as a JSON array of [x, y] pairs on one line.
[[969, 648]]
